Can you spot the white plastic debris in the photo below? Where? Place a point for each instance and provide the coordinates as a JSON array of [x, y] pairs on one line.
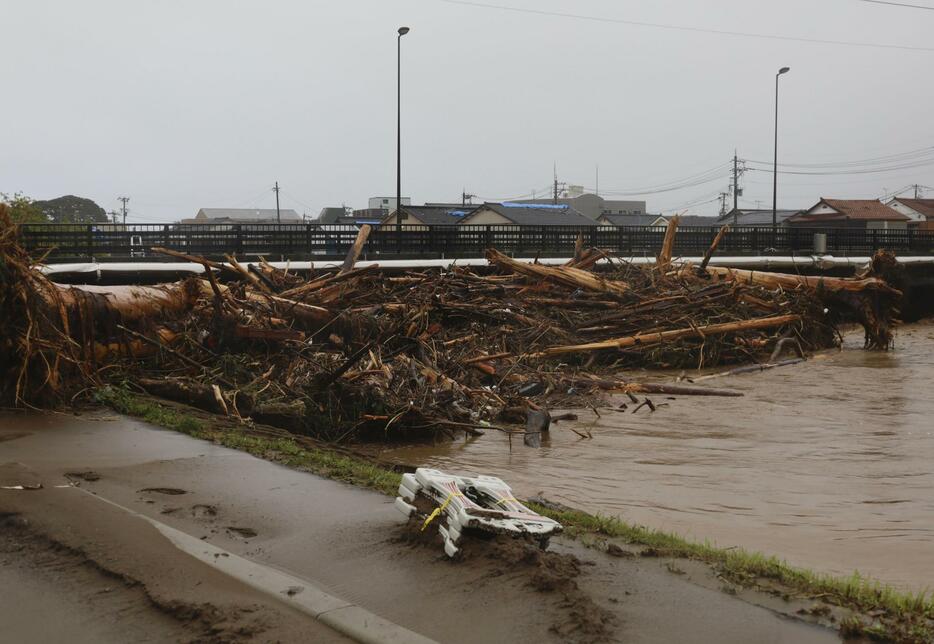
[[471, 503]]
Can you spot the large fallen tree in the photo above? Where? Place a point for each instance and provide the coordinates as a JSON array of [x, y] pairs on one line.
[[356, 353]]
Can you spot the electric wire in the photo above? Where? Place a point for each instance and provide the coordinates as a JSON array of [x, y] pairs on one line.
[[657, 25], [899, 156], [900, 4]]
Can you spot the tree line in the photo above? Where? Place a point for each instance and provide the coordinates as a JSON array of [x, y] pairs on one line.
[[67, 209]]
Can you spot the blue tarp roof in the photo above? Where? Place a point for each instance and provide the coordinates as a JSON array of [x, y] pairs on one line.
[[536, 206]]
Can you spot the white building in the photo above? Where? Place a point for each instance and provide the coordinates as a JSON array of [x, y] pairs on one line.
[[387, 203]]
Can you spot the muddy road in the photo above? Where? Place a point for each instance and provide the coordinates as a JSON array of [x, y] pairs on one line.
[[104, 478], [826, 463]]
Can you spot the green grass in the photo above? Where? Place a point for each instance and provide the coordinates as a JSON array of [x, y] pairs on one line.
[[898, 616], [905, 617], [125, 402]]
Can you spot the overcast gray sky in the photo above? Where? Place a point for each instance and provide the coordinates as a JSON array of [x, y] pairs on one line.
[[205, 103]]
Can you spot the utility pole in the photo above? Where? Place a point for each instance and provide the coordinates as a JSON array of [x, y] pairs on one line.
[[124, 200], [466, 197], [736, 189], [723, 198], [917, 187], [557, 187], [276, 190], [555, 194]]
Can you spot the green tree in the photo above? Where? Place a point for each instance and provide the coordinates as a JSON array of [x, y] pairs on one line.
[[23, 210], [72, 210]]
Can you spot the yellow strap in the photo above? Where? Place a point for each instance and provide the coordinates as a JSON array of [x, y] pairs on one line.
[[438, 510], [506, 500]]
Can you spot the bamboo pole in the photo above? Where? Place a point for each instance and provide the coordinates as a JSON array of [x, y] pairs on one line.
[[668, 244], [566, 275], [713, 247], [356, 249], [662, 337], [790, 281], [247, 275]]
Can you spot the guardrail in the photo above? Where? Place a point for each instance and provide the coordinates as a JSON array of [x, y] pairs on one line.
[[71, 242]]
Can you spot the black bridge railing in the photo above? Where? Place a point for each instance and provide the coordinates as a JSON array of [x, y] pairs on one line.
[[73, 242]]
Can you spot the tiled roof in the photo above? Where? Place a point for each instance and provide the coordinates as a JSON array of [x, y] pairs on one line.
[[438, 215], [756, 216], [862, 209], [921, 206], [248, 214], [537, 215], [695, 221], [630, 220]]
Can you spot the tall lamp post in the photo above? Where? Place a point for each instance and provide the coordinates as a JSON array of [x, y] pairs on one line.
[[402, 31], [783, 70]]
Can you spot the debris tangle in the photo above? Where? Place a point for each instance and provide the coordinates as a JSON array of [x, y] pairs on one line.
[[352, 353]]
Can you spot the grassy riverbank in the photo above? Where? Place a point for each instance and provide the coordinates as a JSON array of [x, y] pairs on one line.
[[880, 611]]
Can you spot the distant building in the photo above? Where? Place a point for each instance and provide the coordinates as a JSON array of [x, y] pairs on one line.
[[331, 214], [344, 216], [850, 213], [593, 206], [631, 220], [369, 215], [526, 214], [422, 216], [243, 216], [755, 217], [920, 212], [387, 204]]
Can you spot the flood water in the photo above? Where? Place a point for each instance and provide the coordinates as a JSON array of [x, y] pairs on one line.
[[828, 464]]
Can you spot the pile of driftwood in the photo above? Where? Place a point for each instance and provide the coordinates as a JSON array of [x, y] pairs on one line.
[[355, 353]]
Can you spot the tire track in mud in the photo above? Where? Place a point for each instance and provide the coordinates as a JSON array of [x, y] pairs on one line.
[[577, 617]]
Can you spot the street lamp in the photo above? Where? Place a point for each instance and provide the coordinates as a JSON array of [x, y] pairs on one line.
[[783, 70], [402, 31]]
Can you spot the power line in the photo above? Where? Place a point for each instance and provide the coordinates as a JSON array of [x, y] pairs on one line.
[[898, 156], [253, 199], [656, 25], [713, 174], [899, 4], [295, 199], [893, 168]]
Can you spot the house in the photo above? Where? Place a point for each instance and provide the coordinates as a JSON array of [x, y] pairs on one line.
[[919, 211], [244, 216], [331, 214], [344, 216], [850, 213], [755, 217], [631, 220], [368, 215], [692, 221], [593, 206], [526, 214], [426, 215]]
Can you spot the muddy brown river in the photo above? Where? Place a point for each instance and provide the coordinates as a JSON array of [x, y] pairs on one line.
[[828, 464]]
